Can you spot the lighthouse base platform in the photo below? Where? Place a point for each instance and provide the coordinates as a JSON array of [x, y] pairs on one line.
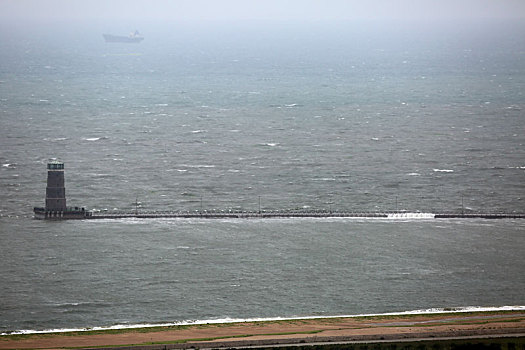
[[67, 214]]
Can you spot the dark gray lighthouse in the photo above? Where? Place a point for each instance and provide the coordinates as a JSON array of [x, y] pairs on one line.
[[56, 197]]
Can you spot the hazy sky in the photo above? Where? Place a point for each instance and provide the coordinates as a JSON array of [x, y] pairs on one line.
[[260, 9]]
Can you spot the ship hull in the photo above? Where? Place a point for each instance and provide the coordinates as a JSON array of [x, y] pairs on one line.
[[122, 39]]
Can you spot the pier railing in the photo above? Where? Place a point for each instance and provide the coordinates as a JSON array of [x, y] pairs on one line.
[[299, 214]]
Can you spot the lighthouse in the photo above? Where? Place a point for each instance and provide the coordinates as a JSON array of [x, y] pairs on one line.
[[56, 208]]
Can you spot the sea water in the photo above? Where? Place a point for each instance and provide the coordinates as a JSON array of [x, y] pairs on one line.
[[224, 116]]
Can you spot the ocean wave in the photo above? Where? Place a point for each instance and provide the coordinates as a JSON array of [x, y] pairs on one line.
[[461, 309], [95, 138], [198, 165], [55, 139], [443, 170]]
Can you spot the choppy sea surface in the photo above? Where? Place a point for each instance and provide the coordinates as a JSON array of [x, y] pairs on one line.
[[222, 116]]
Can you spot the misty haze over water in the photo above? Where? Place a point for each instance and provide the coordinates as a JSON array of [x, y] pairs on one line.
[[359, 115]]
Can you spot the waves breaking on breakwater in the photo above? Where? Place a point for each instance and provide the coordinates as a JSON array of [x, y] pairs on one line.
[[429, 311], [301, 214]]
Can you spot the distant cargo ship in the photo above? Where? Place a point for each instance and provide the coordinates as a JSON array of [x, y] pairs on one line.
[[134, 37]]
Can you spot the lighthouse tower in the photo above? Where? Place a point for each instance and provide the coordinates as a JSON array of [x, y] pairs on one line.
[[56, 208], [55, 191]]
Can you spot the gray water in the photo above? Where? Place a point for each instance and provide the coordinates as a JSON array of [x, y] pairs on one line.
[[300, 115]]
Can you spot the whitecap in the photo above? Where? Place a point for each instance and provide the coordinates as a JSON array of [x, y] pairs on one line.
[[413, 174], [271, 144], [198, 131], [92, 138], [443, 170], [291, 105]]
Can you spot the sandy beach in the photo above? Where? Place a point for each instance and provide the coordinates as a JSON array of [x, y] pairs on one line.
[[306, 331]]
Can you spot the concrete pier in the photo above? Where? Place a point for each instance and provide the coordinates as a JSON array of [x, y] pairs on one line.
[[301, 214]]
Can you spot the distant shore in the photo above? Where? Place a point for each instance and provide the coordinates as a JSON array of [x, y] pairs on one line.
[[472, 325]]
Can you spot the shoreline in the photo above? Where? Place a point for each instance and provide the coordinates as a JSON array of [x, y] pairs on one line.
[[408, 327], [139, 326]]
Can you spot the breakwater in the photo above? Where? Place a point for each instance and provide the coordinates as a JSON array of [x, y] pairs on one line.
[[300, 214]]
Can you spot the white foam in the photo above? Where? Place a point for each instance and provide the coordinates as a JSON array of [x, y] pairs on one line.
[[411, 216], [464, 309], [444, 170]]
